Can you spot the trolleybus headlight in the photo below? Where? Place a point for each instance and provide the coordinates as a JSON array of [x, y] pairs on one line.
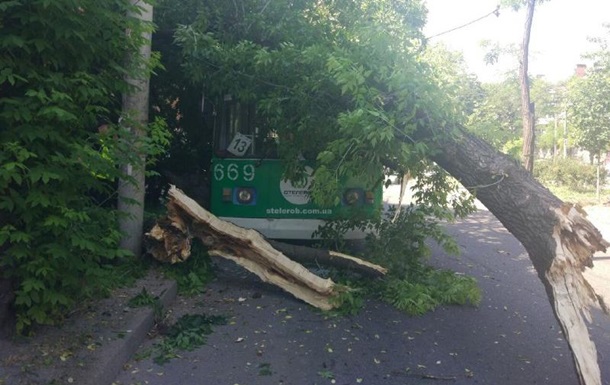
[[245, 196], [227, 194], [353, 197]]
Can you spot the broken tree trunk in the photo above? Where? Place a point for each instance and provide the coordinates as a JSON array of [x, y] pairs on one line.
[[170, 241], [559, 239]]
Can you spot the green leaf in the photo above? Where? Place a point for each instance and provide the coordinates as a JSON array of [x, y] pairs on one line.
[[31, 284], [19, 237]]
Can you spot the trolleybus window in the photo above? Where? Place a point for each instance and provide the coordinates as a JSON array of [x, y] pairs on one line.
[[238, 132]]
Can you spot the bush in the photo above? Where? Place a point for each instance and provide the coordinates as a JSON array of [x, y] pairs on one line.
[[61, 74], [402, 247], [571, 173]]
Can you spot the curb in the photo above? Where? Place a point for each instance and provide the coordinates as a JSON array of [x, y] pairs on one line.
[[108, 360]]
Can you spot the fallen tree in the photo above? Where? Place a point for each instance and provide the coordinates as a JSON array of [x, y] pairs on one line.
[[559, 239], [357, 94], [170, 241]]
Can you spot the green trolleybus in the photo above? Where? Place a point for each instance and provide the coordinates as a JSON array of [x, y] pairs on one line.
[[248, 188]]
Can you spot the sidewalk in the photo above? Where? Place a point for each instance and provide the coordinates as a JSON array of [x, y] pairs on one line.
[[93, 344], [599, 275]]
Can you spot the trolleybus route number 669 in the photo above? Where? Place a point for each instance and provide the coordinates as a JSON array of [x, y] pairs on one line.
[[232, 172]]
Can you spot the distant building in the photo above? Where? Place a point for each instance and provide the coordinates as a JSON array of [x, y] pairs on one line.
[[581, 70]]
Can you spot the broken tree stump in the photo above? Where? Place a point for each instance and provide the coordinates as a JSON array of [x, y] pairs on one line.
[[170, 241]]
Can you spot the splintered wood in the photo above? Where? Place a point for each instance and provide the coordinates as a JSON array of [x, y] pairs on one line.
[[576, 239], [170, 241]]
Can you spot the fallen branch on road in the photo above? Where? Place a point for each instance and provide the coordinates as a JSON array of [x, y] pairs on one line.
[[170, 241]]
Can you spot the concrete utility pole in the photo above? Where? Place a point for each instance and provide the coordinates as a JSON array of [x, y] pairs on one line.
[[135, 118]]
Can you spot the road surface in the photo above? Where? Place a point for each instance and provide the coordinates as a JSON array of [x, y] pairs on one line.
[[272, 338]]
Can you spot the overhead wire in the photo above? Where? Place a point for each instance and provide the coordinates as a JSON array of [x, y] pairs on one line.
[[495, 12]]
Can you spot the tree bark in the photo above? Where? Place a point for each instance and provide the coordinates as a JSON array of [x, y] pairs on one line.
[[559, 239], [135, 116], [527, 108]]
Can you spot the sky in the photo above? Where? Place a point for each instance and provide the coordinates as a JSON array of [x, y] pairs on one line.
[[558, 39]]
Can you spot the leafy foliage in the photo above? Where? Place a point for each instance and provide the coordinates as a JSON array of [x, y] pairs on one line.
[[61, 72], [183, 106], [590, 103], [451, 70], [571, 173], [350, 296], [338, 82], [401, 246], [496, 117], [326, 374], [143, 298], [264, 369], [188, 333], [419, 293], [583, 198], [411, 285], [193, 274]]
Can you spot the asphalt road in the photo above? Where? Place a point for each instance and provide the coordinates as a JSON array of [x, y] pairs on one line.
[[272, 338]]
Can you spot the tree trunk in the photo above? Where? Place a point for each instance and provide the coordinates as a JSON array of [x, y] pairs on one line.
[[559, 239], [135, 116], [597, 177], [527, 108]]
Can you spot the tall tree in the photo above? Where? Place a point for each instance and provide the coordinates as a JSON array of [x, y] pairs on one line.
[[589, 98], [134, 118], [527, 108], [528, 111], [590, 105], [590, 111]]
